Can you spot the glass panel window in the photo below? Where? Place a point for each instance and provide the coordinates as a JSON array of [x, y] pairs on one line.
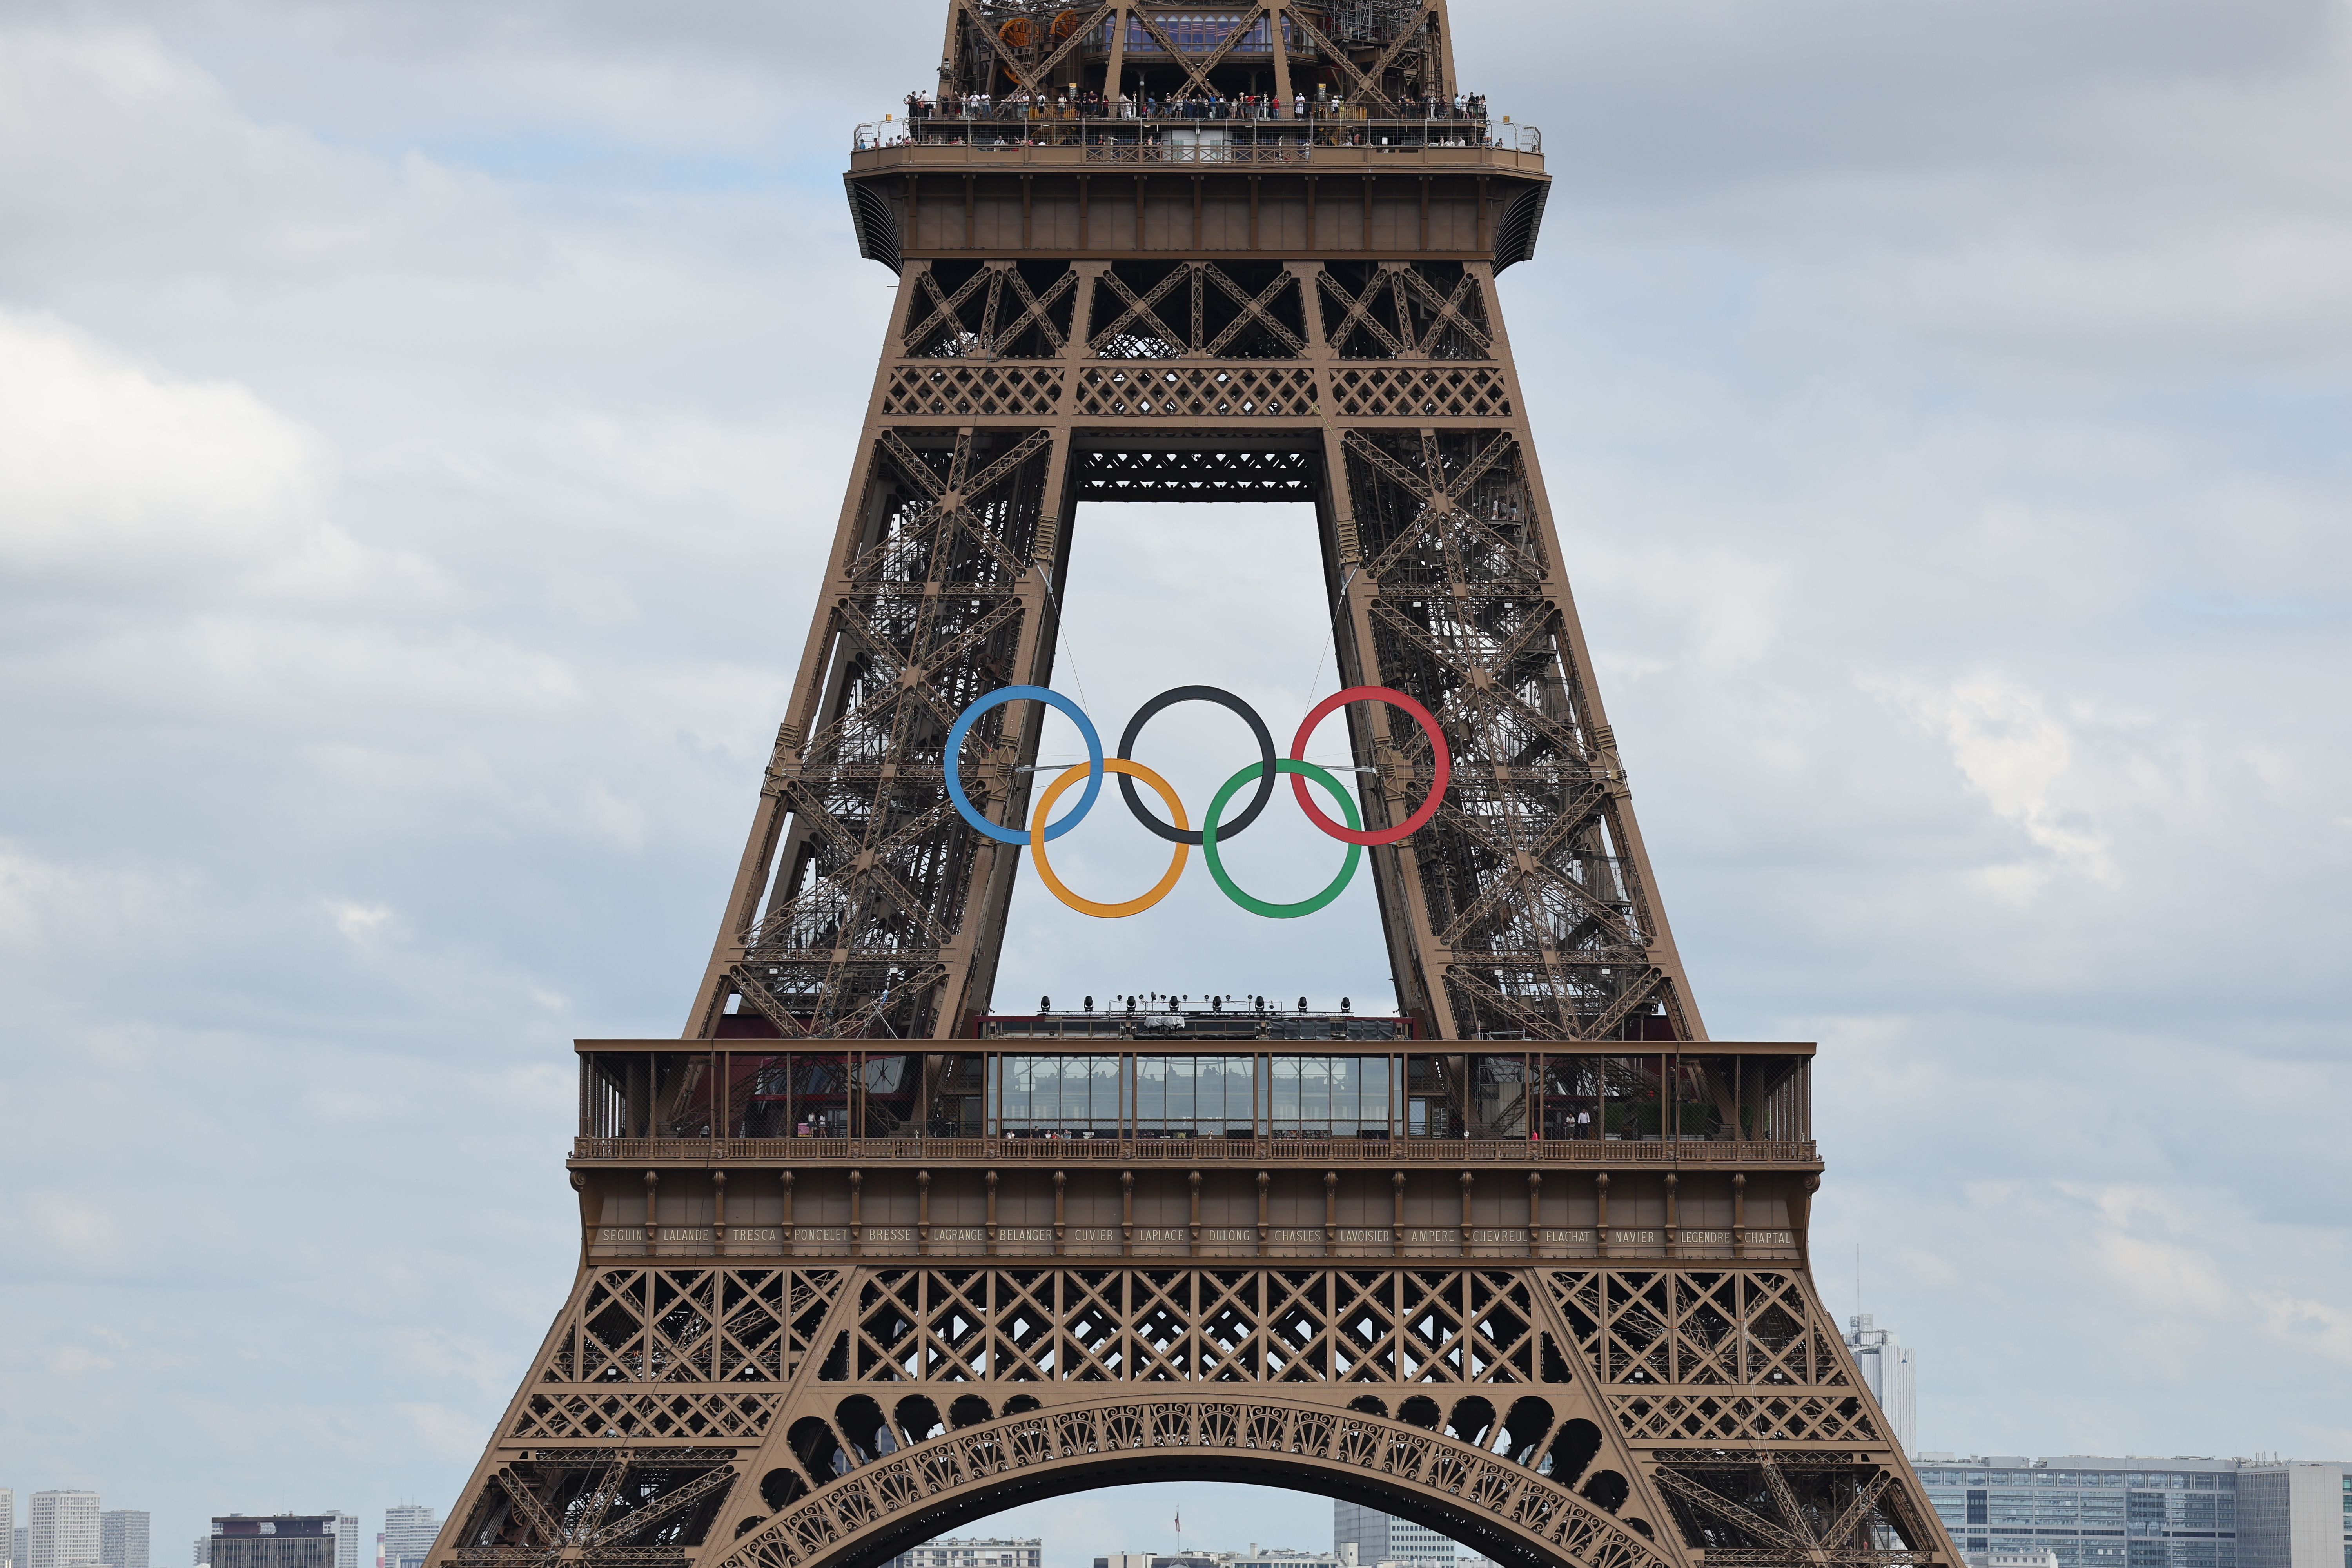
[[1061, 1096], [1329, 1097], [1197, 1096]]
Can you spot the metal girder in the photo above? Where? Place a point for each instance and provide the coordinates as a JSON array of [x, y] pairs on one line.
[[1196, 67], [1367, 83]]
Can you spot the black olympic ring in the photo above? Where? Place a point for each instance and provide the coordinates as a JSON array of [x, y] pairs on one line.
[[1222, 699]]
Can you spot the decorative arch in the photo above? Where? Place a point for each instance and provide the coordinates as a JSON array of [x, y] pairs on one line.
[[1500, 1503]]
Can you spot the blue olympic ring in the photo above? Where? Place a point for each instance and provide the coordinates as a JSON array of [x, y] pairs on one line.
[[1054, 700]]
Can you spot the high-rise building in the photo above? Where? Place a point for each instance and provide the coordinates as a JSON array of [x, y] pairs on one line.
[[1886, 1367], [979, 1551], [10, 1536], [2143, 1512], [1384, 1537], [122, 1538], [346, 1530], [64, 1526], [277, 1541], [408, 1531], [203, 1553]]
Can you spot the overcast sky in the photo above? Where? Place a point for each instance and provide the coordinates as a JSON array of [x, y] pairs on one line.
[[420, 424]]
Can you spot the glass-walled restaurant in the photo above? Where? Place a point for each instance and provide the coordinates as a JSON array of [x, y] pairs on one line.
[[674, 1090]]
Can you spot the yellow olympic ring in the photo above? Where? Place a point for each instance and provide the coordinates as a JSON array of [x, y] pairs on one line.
[[1075, 772]]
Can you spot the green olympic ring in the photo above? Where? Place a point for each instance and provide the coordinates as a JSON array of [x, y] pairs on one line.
[[1258, 906]]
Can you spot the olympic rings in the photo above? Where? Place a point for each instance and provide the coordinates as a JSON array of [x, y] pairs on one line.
[[1217, 863], [1127, 770], [1168, 699], [1211, 835], [1428, 727], [1004, 694]]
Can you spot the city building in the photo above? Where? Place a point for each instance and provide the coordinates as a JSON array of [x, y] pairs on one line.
[[347, 1539], [1255, 1557], [10, 1536], [1284, 1557], [122, 1538], [204, 1554], [276, 1541], [64, 1530], [975, 1552], [2092, 1511], [1384, 1537], [1887, 1368], [2294, 1516], [409, 1529]]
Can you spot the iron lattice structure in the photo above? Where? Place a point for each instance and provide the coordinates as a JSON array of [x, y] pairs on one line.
[[861, 1260]]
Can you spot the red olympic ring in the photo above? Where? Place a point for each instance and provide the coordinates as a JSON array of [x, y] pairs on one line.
[[1394, 698]]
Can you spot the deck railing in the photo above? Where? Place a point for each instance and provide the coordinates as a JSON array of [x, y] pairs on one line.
[[1091, 140], [1193, 1150]]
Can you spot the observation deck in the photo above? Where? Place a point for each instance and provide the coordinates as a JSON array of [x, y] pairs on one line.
[[1070, 186], [1049, 142], [1106, 1135]]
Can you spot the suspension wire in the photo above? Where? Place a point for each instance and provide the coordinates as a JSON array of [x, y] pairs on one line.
[[1061, 639], [1336, 611]]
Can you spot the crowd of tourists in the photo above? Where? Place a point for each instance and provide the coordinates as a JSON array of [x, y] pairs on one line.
[[1464, 107]]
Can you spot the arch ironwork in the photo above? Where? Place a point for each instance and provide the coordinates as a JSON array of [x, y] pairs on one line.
[[1495, 1502]]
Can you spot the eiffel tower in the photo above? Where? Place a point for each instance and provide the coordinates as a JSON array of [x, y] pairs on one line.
[[862, 1257]]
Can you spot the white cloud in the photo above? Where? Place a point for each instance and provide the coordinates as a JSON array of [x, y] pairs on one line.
[[74, 1360], [2169, 1275], [357, 922], [164, 175], [111, 472], [2319, 1328], [2016, 756]]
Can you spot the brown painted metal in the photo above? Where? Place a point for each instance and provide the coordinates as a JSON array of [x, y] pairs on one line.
[[1561, 1335]]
